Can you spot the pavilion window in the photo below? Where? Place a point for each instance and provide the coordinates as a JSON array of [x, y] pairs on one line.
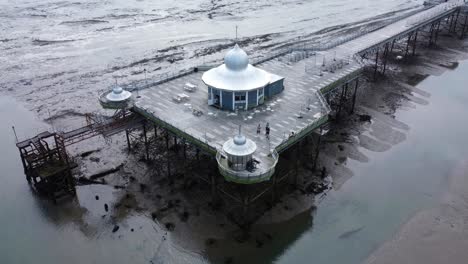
[[239, 97]]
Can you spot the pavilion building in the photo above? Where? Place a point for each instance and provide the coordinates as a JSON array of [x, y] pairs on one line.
[[236, 84]]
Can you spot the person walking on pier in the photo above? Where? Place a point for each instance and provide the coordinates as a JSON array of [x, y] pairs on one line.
[[267, 130], [259, 129]]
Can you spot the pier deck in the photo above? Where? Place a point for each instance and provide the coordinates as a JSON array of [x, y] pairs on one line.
[[294, 113]]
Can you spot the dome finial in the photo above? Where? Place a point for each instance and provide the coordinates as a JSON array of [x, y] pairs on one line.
[[240, 139], [236, 34]]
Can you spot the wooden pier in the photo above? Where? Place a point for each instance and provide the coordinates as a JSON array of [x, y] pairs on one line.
[[318, 84]]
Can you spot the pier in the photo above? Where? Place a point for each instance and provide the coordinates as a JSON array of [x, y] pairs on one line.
[[319, 83]]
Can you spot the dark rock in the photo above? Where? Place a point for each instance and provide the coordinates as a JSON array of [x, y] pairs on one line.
[[95, 159], [210, 241], [154, 215], [106, 172], [170, 204], [323, 173], [258, 243], [365, 118], [87, 153], [97, 197], [184, 216], [270, 237], [341, 147], [170, 226], [115, 229], [131, 230], [142, 187], [229, 260]]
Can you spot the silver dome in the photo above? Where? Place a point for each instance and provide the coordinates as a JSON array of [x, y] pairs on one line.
[[118, 94], [236, 59], [236, 74], [239, 146]]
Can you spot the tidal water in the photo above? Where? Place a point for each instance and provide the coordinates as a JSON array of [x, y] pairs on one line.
[[56, 54], [347, 226], [385, 192]]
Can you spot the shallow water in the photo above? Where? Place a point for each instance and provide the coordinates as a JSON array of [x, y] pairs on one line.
[[349, 223], [385, 192]]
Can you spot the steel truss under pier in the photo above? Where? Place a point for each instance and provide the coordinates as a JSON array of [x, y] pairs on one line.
[[45, 160], [47, 165], [175, 152], [173, 157]]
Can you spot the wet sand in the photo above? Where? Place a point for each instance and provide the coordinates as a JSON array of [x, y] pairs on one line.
[[436, 235], [295, 224]]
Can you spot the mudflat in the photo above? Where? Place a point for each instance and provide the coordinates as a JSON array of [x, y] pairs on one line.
[[436, 235]]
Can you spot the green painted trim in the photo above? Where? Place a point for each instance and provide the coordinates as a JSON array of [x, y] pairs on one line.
[[345, 79], [204, 146], [251, 180], [296, 138]]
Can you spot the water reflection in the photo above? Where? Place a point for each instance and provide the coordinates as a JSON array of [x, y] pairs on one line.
[[266, 242]]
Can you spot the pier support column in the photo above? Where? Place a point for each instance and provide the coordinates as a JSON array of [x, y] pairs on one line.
[[168, 161], [376, 64], [155, 132], [450, 21], [354, 95], [393, 45], [431, 37], [198, 157], [167, 139], [146, 142], [296, 165], [385, 56], [213, 187], [129, 146], [437, 32], [185, 148], [245, 205], [415, 42], [317, 150], [462, 34], [273, 189], [408, 43], [456, 21]]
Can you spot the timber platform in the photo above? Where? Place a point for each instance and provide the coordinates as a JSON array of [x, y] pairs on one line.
[[318, 82]]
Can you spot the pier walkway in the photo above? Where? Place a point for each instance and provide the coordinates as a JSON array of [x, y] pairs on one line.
[[293, 114]]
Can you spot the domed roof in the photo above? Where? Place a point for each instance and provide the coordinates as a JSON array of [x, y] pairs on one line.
[[239, 146], [236, 59], [118, 94], [236, 74]]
